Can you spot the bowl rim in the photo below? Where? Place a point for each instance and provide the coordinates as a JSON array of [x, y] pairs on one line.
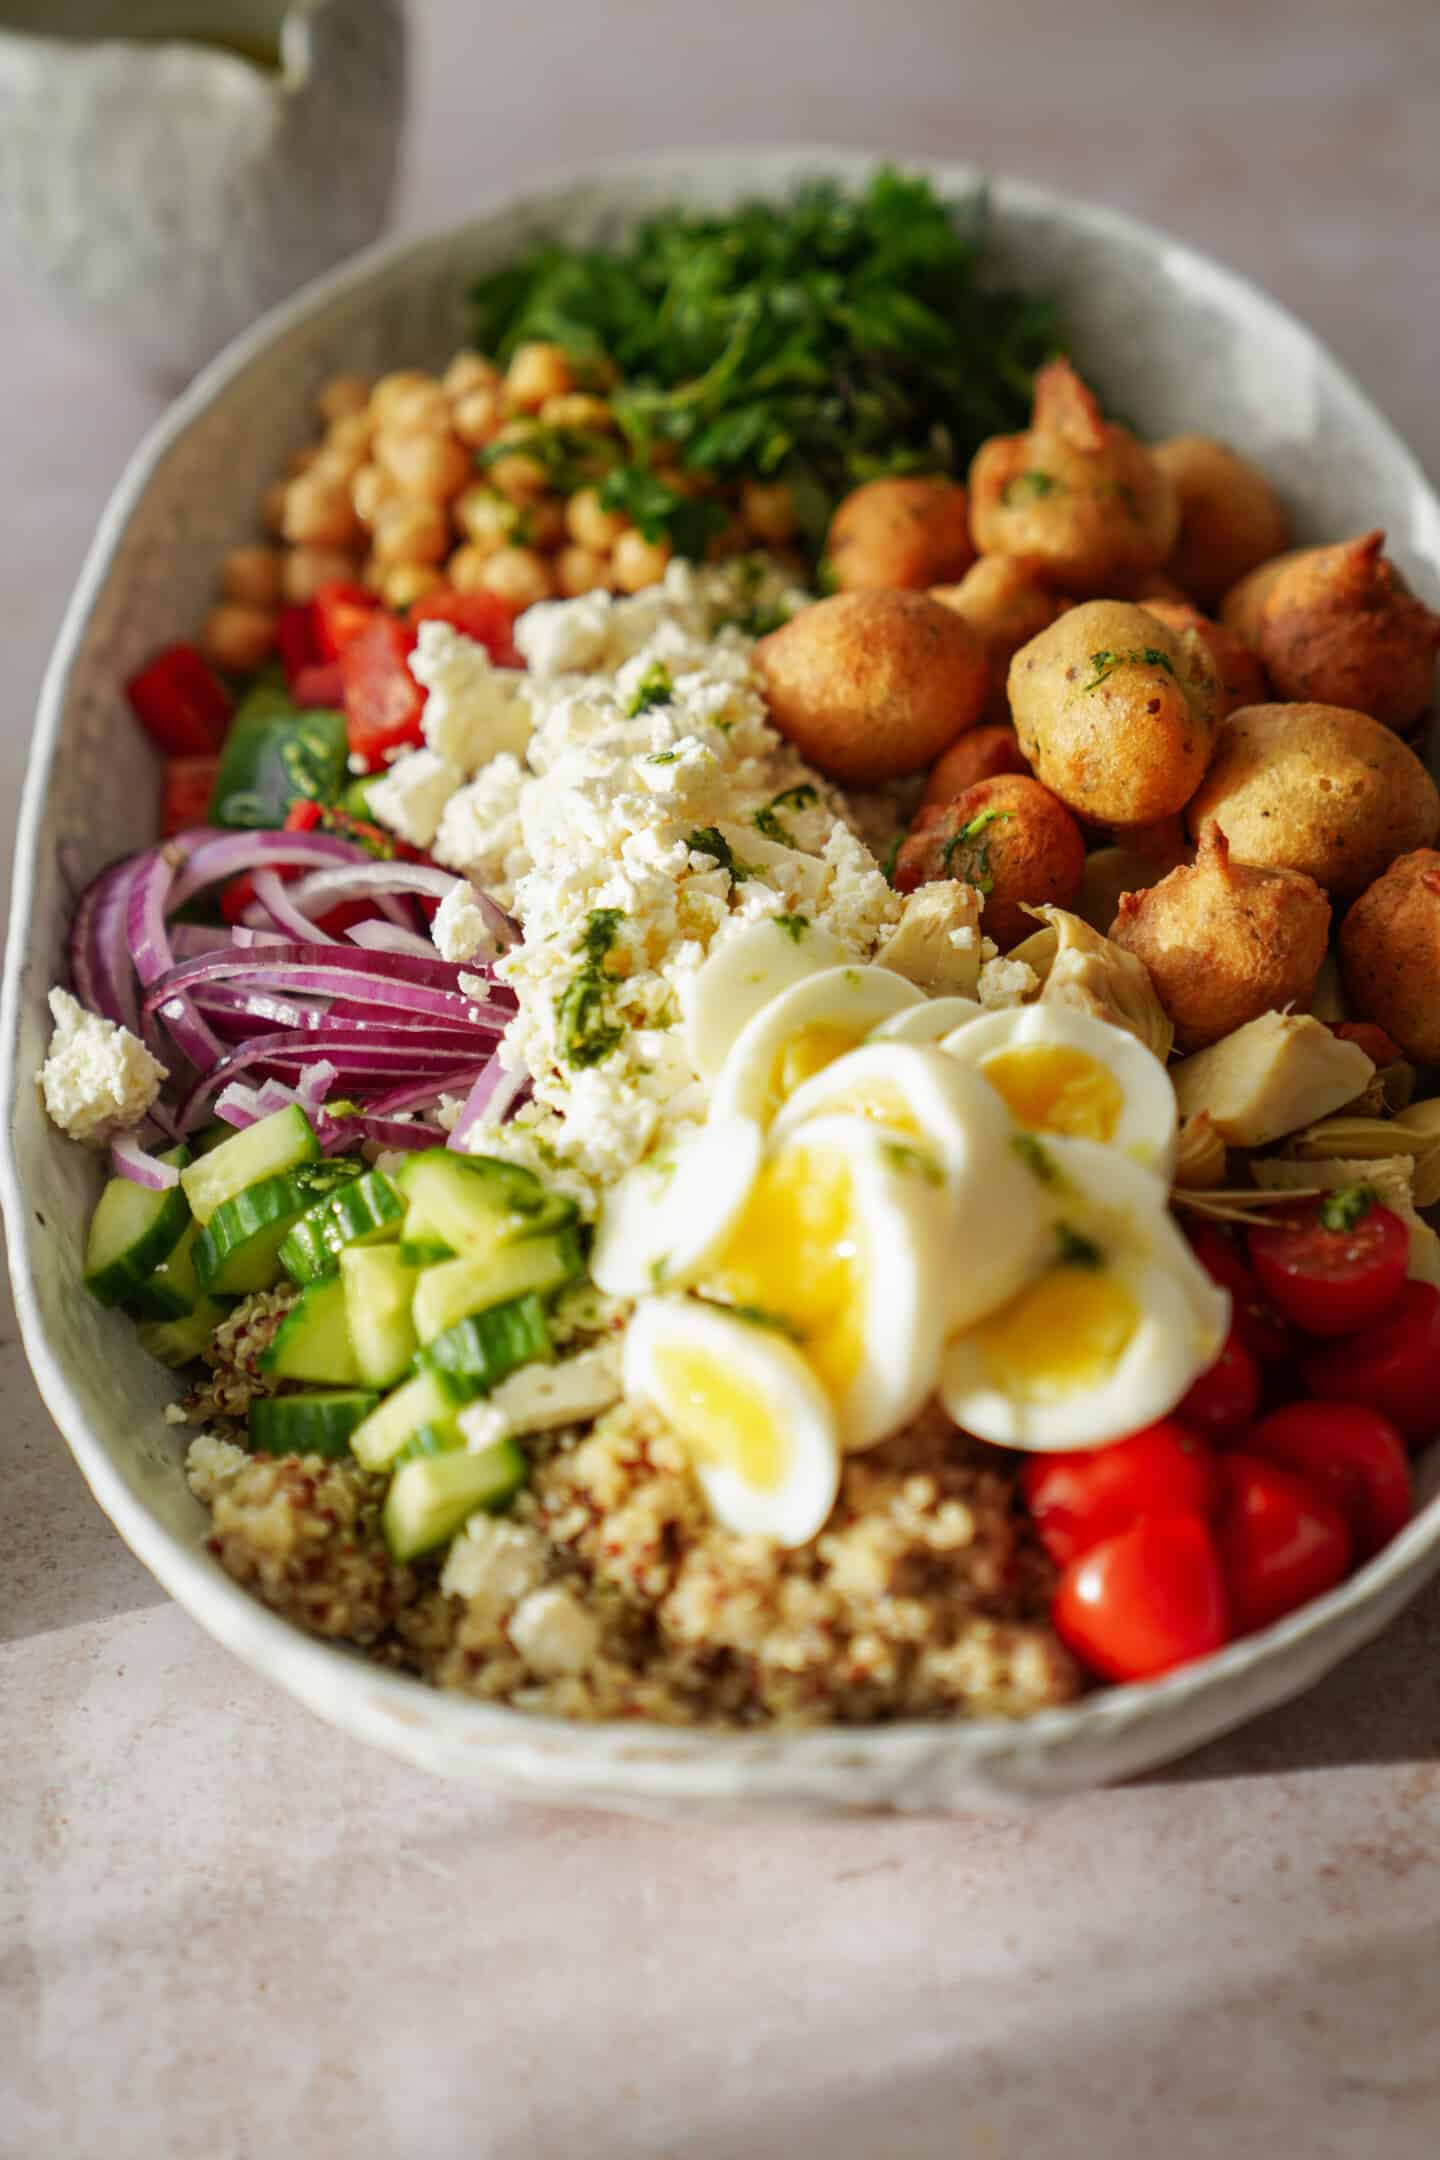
[[546, 1750]]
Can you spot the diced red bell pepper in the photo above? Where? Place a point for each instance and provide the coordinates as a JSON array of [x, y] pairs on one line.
[[296, 640], [383, 701], [185, 793], [341, 612], [180, 702], [319, 685], [479, 615], [238, 895]]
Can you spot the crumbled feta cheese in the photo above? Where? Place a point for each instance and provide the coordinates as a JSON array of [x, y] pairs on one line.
[[554, 1633], [411, 796], [479, 832], [474, 710], [491, 1558], [460, 930], [541, 1398], [210, 1463], [1006, 982], [98, 1079]]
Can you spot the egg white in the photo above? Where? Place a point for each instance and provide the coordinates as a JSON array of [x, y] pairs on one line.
[[1145, 1125], [928, 1022], [743, 973], [665, 1219], [848, 1000]]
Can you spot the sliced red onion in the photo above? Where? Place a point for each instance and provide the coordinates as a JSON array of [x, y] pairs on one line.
[[385, 981], [129, 1160], [189, 938], [216, 857], [149, 942], [239, 1105], [396, 1133], [325, 889], [100, 964], [498, 1092], [388, 937], [416, 1093], [284, 912]]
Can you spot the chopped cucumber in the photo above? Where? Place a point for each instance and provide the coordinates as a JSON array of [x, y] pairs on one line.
[[457, 1288], [364, 1212], [174, 1288], [239, 1248], [132, 1230], [180, 1342], [313, 1341], [476, 1353], [430, 1440], [473, 1202], [421, 1401], [277, 1143], [307, 1424], [379, 1294], [423, 1252], [433, 1496]]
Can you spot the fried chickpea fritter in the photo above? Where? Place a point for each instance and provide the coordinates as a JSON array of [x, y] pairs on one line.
[[983, 754], [1006, 604], [1339, 626], [1238, 673], [1390, 954], [1115, 712], [1111, 872], [1319, 789], [1011, 840], [873, 685], [1225, 942], [1230, 517], [1078, 498], [906, 531]]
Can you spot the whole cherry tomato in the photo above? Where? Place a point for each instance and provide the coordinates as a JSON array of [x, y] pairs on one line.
[[1282, 1542], [1334, 1265], [1222, 1402], [1350, 1453], [1150, 1598], [1394, 1366], [1256, 1322], [1080, 1498]]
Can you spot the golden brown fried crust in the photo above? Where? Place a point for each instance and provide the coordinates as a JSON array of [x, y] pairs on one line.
[[1339, 626], [1390, 954], [1319, 789], [1224, 942], [903, 532], [1079, 499], [1011, 840], [873, 685], [984, 754], [1238, 672], [1007, 604], [1231, 519], [1115, 712]]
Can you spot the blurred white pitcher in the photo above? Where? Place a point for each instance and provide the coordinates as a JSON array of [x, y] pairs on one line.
[[170, 168]]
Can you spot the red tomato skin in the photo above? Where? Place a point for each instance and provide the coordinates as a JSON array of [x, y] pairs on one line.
[[1078, 1499], [1394, 1366], [1144, 1601], [296, 641], [1222, 1403], [479, 615], [322, 685], [180, 702], [1259, 1327], [340, 611], [185, 792], [1353, 1455], [1282, 1541], [383, 701], [1332, 1282]]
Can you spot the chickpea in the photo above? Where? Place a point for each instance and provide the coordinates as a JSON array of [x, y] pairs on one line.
[[518, 476], [768, 508], [238, 638], [308, 568], [336, 468], [465, 566], [406, 582], [578, 409], [272, 506], [479, 415], [391, 388], [518, 576], [370, 491], [487, 520], [341, 398], [536, 373], [429, 462], [589, 525], [319, 512], [253, 576], [352, 431], [544, 522], [581, 570], [409, 531], [418, 410], [469, 371], [638, 562]]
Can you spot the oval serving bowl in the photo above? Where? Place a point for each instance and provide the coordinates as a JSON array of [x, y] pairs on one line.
[[1177, 344]]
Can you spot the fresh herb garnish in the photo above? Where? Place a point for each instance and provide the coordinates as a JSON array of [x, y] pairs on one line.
[[768, 819], [1074, 1249], [662, 757], [757, 1316], [588, 1032], [1343, 1208], [709, 840], [1031, 486], [661, 511], [794, 926], [571, 458], [974, 852], [655, 687], [1103, 664], [913, 1161], [1032, 1153]]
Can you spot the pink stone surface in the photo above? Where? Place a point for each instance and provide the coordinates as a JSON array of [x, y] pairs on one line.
[[226, 1931]]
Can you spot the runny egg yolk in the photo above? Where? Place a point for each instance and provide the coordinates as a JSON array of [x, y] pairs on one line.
[[1065, 1334], [1054, 1088], [877, 1101], [808, 1051], [724, 1420], [795, 1253]]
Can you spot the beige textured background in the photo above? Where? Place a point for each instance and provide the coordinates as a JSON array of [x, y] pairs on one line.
[[226, 1932]]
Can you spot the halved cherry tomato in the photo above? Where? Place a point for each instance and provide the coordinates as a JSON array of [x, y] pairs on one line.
[[180, 702], [340, 612], [322, 685], [185, 792], [1334, 1265], [1394, 1366], [1146, 1600], [1352, 1454], [296, 641], [1223, 1401], [1379, 1047], [479, 615], [1258, 1325], [1081, 1498], [1282, 1541], [383, 701]]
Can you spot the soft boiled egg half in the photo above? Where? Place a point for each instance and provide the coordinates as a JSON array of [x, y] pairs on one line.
[[799, 1032], [756, 1423], [1066, 1072], [743, 972], [669, 1216], [1109, 1332]]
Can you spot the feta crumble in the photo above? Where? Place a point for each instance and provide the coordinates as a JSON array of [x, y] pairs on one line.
[[460, 930], [97, 1079], [554, 1633], [411, 796], [474, 710], [210, 1463]]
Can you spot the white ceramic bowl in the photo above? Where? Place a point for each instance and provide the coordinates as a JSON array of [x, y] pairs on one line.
[[1178, 344]]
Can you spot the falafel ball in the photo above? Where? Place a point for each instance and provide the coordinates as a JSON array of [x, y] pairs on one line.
[[1238, 672], [983, 754], [1011, 840], [1390, 954], [1007, 604], [1230, 517], [904, 531]]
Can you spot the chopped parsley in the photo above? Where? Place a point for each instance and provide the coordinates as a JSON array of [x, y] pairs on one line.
[[793, 926], [1031, 486], [913, 1161], [974, 852], [587, 1028], [757, 1316], [662, 512], [709, 840], [655, 687], [1346, 1206], [662, 757], [1074, 1249], [1035, 1158], [767, 820], [1104, 663], [570, 457]]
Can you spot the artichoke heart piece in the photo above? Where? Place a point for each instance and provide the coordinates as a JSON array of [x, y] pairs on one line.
[[1078, 966], [1200, 1154], [1389, 1180], [936, 943], [1271, 1077]]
